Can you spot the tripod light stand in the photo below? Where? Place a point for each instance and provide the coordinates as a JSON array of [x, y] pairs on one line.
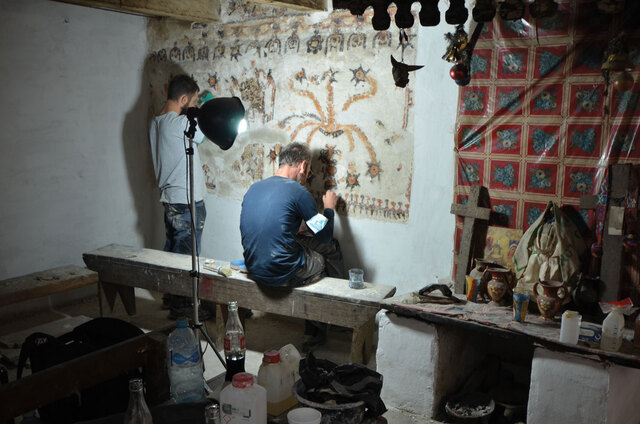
[[220, 120]]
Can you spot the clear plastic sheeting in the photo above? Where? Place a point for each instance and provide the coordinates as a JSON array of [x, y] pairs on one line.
[[537, 122]]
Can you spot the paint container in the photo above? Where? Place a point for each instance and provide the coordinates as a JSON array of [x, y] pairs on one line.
[[570, 327], [304, 416]]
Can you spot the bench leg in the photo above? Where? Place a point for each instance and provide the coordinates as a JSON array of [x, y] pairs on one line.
[[127, 294], [362, 342]]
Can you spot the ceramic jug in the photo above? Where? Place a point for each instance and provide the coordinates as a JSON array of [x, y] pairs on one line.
[[498, 285], [549, 297], [482, 277]]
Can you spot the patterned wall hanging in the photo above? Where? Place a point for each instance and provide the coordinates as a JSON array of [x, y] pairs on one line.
[[534, 124]]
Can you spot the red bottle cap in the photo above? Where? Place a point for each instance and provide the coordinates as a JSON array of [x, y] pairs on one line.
[[271, 357], [242, 380]]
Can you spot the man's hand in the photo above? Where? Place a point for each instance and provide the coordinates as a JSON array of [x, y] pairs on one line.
[[330, 199]]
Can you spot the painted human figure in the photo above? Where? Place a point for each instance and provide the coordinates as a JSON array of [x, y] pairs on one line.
[[168, 152], [286, 242]]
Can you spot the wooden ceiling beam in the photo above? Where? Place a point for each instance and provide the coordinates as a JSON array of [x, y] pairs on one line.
[[304, 5], [185, 10]]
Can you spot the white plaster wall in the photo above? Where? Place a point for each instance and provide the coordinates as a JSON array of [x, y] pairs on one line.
[[624, 393], [411, 255], [74, 162], [407, 357], [567, 389]]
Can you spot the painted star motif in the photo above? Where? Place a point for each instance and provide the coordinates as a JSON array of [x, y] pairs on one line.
[[359, 75]]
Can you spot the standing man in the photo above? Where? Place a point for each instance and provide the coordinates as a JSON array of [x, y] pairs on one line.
[[168, 151], [286, 242]]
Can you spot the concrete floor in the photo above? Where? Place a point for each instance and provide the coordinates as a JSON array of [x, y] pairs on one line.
[[263, 332]]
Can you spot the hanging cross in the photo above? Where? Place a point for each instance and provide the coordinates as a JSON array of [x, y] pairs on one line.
[[612, 240], [476, 213]]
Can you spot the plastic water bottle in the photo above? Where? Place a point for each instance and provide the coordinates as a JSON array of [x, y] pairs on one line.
[[243, 402], [184, 364], [137, 411], [234, 344]]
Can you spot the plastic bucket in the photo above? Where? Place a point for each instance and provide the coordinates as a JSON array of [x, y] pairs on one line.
[[346, 413]]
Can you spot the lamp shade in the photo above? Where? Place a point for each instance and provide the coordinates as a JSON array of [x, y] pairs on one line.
[[219, 119]]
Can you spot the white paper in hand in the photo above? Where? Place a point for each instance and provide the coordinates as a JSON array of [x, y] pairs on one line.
[[317, 223]]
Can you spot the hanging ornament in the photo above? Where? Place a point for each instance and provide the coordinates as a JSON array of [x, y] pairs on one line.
[[381, 19], [623, 81], [457, 43], [540, 9], [460, 74], [511, 10], [617, 60], [611, 6], [400, 72], [457, 14], [483, 11], [404, 17], [429, 13]]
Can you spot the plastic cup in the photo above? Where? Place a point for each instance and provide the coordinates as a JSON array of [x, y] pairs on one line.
[[304, 416], [472, 288], [356, 278], [520, 306]]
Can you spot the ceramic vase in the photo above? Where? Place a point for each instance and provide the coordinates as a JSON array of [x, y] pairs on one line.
[[549, 297], [499, 283], [482, 277]]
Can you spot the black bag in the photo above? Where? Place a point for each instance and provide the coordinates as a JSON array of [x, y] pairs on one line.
[[44, 351]]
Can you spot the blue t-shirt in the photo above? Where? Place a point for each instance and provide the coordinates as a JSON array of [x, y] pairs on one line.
[[272, 212]]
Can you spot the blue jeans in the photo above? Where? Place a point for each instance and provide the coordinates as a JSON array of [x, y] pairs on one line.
[[177, 223]]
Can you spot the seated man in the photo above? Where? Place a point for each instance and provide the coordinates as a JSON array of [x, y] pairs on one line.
[[286, 242]]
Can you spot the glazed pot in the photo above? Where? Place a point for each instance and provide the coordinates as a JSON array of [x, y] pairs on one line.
[[549, 297], [481, 277], [498, 285]]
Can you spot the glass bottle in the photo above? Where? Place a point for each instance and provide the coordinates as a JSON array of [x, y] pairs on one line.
[[138, 411], [234, 343], [212, 414]]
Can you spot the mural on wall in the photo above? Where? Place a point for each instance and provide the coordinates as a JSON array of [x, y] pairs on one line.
[[323, 79]]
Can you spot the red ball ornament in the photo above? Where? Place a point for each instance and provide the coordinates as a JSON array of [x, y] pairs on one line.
[[459, 72]]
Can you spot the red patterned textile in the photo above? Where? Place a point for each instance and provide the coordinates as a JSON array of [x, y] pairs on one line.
[[534, 125]]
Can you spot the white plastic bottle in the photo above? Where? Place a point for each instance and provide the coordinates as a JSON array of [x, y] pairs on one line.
[[184, 364], [243, 402], [277, 379], [290, 358], [612, 328]]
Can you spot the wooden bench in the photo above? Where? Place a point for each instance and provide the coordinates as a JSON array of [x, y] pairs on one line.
[[330, 300], [45, 283]]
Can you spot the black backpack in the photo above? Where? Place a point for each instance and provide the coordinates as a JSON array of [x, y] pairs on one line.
[[109, 397]]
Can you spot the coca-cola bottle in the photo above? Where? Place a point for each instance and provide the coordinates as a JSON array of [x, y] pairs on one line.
[[234, 345]]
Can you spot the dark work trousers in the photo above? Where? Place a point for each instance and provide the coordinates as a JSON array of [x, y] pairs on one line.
[[321, 259]]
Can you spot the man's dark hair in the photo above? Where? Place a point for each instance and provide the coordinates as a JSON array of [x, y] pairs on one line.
[[294, 154], [181, 85]]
